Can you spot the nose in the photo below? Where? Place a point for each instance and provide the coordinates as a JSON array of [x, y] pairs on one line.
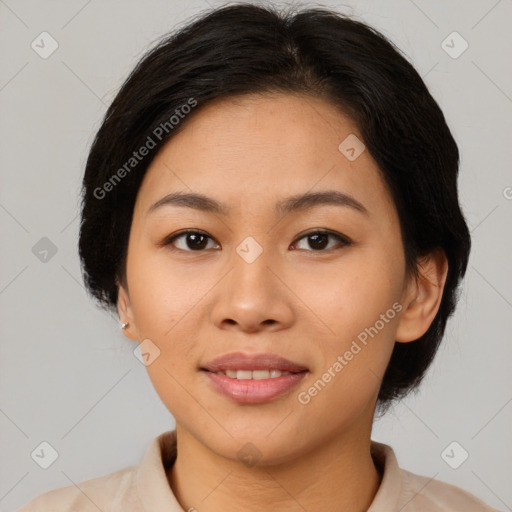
[[254, 295]]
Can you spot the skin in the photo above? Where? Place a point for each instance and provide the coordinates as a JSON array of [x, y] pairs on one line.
[[295, 300]]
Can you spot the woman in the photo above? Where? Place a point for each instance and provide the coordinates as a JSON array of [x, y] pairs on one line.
[[271, 207]]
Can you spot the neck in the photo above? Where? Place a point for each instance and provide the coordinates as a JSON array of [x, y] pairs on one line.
[[339, 475]]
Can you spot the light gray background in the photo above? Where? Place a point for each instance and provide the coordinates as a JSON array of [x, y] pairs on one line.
[[67, 374]]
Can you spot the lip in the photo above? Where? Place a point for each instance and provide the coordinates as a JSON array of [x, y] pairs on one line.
[[241, 361], [255, 391]]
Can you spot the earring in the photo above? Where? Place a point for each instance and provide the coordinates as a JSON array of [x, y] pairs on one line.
[[124, 325]]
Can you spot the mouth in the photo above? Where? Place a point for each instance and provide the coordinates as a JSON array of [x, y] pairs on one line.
[[254, 374], [253, 378]]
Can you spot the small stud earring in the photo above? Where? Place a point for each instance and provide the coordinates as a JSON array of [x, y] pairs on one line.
[[124, 325]]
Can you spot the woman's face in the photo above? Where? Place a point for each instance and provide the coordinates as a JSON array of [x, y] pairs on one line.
[[259, 279]]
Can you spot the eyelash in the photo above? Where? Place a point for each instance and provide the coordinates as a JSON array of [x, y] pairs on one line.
[[344, 241]]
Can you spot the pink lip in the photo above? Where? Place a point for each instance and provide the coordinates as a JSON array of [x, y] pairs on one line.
[[253, 391], [241, 361]]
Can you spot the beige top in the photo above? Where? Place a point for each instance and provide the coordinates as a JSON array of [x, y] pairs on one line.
[[145, 488]]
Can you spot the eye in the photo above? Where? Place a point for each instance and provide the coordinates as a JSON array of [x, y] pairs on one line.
[[318, 240], [193, 240], [196, 241]]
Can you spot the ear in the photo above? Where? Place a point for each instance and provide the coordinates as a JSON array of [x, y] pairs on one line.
[[422, 297], [124, 308]]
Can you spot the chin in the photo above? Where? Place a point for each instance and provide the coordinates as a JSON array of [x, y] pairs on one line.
[[256, 444]]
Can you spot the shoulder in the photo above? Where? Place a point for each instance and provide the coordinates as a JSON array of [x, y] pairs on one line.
[[105, 492], [408, 492], [431, 495]]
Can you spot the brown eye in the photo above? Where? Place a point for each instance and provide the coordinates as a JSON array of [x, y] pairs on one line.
[[190, 241], [319, 240], [197, 241]]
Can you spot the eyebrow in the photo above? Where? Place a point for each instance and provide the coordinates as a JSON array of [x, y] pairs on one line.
[[295, 203]]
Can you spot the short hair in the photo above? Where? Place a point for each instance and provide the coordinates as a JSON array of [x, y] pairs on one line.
[[247, 49]]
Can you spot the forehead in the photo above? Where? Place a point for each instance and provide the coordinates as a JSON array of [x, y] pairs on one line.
[[245, 150]]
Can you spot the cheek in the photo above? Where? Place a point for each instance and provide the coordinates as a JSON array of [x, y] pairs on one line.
[[161, 293], [351, 296], [363, 322], [360, 304], [163, 304], [352, 366]]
